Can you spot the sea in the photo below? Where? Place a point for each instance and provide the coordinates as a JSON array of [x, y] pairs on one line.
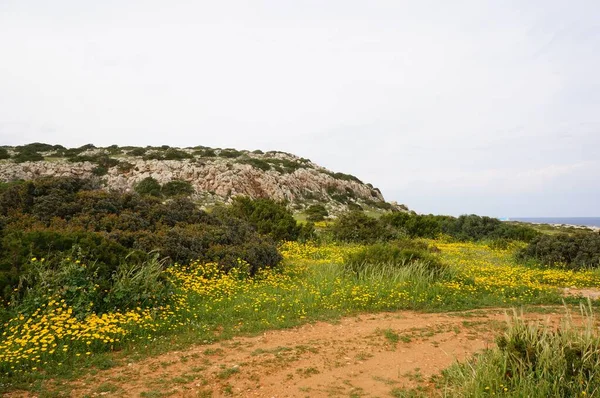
[[587, 221]]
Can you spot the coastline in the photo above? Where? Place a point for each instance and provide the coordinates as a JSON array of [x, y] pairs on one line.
[[557, 225]]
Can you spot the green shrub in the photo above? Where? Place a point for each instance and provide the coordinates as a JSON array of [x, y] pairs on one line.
[[565, 250], [400, 253], [307, 232], [316, 213], [378, 204], [268, 217], [4, 153], [99, 171], [114, 150], [137, 152], [342, 176], [230, 153], [27, 155], [177, 188], [39, 147], [355, 226], [176, 154], [148, 186], [533, 360], [108, 230], [205, 152], [284, 166]]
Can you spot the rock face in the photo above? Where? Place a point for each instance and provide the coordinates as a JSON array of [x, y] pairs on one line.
[[276, 175]]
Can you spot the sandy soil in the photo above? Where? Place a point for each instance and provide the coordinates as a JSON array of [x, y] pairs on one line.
[[366, 355]]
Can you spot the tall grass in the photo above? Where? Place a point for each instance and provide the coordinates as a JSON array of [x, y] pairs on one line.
[[534, 360]]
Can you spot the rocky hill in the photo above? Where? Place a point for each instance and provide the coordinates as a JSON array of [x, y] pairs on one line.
[[216, 175]]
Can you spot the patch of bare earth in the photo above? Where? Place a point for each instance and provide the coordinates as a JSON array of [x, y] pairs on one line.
[[592, 294], [366, 355]]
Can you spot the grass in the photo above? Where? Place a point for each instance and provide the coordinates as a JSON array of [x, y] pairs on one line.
[[534, 360], [313, 285]]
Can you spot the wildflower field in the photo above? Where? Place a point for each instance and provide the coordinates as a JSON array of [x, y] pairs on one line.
[[313, 283]]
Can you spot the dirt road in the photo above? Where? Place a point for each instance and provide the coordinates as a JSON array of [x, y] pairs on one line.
[[366, 355]]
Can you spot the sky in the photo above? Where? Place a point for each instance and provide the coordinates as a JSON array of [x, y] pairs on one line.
[[486, 107]]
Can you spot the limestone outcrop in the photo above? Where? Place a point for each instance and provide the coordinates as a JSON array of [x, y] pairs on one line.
[[216, 175]]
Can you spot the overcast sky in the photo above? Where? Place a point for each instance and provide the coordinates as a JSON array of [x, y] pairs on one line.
[[451, 107]]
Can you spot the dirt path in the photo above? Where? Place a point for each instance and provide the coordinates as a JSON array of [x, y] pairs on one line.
[[366, 355]]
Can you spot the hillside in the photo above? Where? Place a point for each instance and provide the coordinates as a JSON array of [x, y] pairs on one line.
[[216, 175]]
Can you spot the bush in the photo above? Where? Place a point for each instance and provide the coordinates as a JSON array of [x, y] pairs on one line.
[[27, 155], [148, 186], [357, 227], [205, 152], [397, 254], [316, 213], [109, 230], [230, 153], [471, 227], [176, 154], [137, 152], [39, 147], [4, 153], [284, 166], [344, 177], [177, 188], [268, 217], [415, 226], [564, 250], [533, 360]]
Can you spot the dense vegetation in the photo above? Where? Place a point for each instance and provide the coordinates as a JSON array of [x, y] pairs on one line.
[[532, 360], [358, 227], [579, 250], [59, 218], [84, 271]]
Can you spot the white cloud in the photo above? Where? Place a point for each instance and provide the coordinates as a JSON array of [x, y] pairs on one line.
[[491, 98]]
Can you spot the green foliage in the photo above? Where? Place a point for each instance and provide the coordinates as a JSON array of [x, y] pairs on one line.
[[205, 152], [344, 177], [114, 150], [533, 360], [284, 166], [113, 232], [565, 250], [230, 153], [87, 288], [316, 213], [378, 204], [268, 217], [27, 155], [400, 253], [137, 152], [416, 226], [148, 186], [168, 154], [177, 188], [355, 226], [4, 153], [307, 232], [39, 147], [176, 154], [471, 227]]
